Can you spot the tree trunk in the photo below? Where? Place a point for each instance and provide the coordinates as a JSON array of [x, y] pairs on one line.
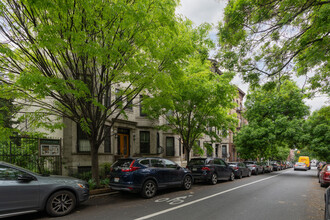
[[95, 163]]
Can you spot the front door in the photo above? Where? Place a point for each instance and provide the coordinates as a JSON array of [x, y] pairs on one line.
[[123, 144]]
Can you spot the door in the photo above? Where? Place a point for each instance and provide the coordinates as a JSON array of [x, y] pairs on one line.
[[123, 144], [17, 195]]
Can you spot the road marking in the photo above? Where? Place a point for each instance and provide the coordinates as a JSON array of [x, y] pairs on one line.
[[174, 201], [205, 198]]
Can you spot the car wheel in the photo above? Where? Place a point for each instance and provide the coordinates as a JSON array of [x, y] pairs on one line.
[[323, 185], [187, 182], [214, 179], [256, 172], [263, 171], [149, 189], [60, 203], [232, 176], [250, 173], [240, 175]]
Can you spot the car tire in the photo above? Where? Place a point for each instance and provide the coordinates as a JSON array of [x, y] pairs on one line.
[[323, 185], [149, 189], [187, 182], [250, 173], [214, 179], [232, 176], [256, 172], [61, 203], [240, 175]]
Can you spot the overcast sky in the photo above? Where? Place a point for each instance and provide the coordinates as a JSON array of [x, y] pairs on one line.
[[211, 11]]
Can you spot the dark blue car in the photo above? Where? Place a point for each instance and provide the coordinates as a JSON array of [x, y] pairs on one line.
[[210, 169], [147, 175]]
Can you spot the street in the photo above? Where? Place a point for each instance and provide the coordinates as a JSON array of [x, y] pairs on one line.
[[279, 195]]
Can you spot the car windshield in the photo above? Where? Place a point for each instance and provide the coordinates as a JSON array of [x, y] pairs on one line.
[[125, 163], [197, 162]]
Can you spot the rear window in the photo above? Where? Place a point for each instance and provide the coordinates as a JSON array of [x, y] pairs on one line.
[[248, 163], [197, 162], [232, 164], [300, 163], [328, 168], [122, 163]]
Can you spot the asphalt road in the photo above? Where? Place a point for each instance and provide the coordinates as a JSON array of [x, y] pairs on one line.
[[288, 194]]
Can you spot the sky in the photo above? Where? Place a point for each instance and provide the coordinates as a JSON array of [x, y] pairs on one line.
[[211, 11]]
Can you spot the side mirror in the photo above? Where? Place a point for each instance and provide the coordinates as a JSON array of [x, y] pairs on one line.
[[25, 178]]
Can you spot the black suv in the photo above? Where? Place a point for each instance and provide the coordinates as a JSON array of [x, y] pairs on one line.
[[147, 175], [210, 169]]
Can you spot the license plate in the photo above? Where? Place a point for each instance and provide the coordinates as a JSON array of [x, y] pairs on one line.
[[194, 169], [116, 180]]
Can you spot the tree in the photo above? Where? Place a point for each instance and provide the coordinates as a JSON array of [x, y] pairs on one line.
[[67, 57], [274, 38], [317, 128], [196, 103], [276, 115]]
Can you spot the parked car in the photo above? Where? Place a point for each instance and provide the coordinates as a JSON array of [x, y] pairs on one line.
[[324, 177], [210, 169], [255, 167], [146, 175], [240, 169], [320, 167], [267, 166], [276, 166], [300, 166], [327, 204], [23, 191]]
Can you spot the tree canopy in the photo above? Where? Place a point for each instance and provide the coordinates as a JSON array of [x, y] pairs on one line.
[[195, 104], [274, 38], [317, 133], [276, 114], [66, 58]]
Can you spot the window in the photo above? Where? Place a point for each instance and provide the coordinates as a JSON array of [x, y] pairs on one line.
[[222, 163], [107, 140], [82, 139], [157, 163], [142, 113], [169, 146], [129, 103], [170, 164], [144, 142], [145, 163], [224, 151], [107, 100], [7, 173], [118, 95], [196, 149], [84, 169]]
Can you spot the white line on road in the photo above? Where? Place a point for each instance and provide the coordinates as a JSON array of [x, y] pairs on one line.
[[202, 199]]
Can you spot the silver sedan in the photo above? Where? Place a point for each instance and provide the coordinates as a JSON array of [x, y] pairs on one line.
[[23, 191]]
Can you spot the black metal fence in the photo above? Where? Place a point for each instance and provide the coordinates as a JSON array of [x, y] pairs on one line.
[[24, 152]]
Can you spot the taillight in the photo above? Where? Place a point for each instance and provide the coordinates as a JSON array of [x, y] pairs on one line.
[[131, 168], [205, 169], [254, 165], [235, 168], [326, 175]]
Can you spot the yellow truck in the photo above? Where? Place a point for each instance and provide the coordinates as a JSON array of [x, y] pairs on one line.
[[305, 159]]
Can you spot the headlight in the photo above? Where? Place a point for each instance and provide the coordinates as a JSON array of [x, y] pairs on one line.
[[83, 186]]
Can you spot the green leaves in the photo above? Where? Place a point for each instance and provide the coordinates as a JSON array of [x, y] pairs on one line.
[[276, 116], [272, 38]]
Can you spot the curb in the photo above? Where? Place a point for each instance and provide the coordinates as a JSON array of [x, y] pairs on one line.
[[103, 194]]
